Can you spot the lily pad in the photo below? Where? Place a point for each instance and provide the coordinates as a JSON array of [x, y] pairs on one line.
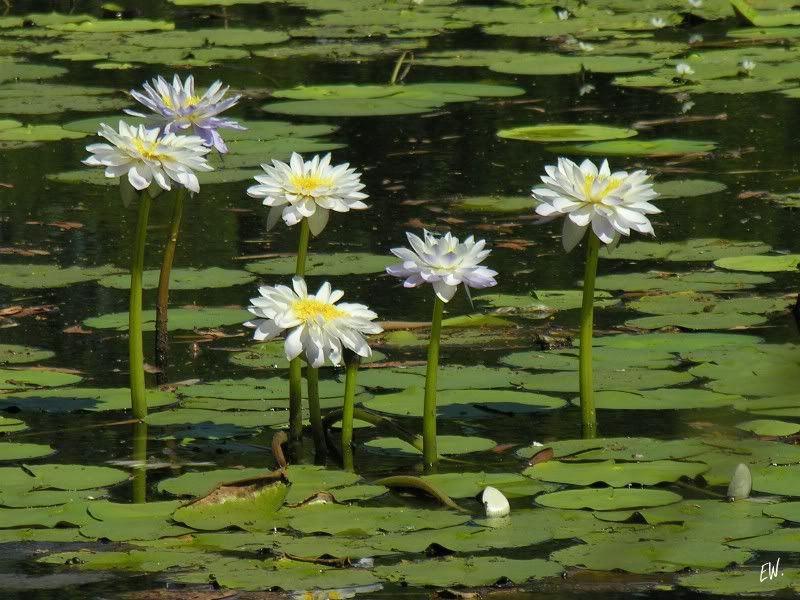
[[770, 427], [495, 204], [557, 132], [446, 444], [469, 485], [698, 249], [698, 281], [660, 148], [126, 522], [469, 571], [344, 263], [78, 398], [75, 477], [607, 498], [615, 474], [740, 582], [184, 279], [761, 264], [20, 451], [622, 449], [545, 301], [9, 425], [31, 276], [687, 188], [24, 379], [632, 379], [179, 318], [661, 399], [16, 354]]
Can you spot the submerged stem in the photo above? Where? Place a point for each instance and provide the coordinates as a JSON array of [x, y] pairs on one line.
[[429, 453], [135, 345], [312, 376], [348, 409], [162, 299], [140, 460], [588, 415]]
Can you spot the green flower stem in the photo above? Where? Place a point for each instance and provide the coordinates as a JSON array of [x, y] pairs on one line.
[[140, 458], [348, 409], [135, 346], [295, 365], [588, 415], [320, 450], [429, 453], [162, 301]]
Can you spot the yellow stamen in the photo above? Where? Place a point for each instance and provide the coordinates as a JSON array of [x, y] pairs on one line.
[[147, 149], [610, 185], [308, 309], [306, 184], [190, 101]]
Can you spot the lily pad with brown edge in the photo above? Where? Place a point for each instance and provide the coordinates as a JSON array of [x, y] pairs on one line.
[[697, 249], [247, 504]]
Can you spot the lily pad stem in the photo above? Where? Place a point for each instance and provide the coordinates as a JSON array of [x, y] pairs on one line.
[[588, 414], [295, 365], [429, 453], [140, 461], [348, 408], [162, 299], [135, 344], [320, 450]]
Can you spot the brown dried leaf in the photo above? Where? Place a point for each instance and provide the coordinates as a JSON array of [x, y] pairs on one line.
[[542, 456], [24, 251], [66, 225], [20, 311], [77, 329]]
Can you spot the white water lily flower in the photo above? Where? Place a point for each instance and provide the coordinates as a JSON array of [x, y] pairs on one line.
[[585, 46], [658, 22], [443, 262], [586, 89], [562, 14], [683, 69], [146, 157], [613, 203], [178, 107], [495, 503], [309, 189], [695, 38], [747, 66], [695, 3], [317, 326]]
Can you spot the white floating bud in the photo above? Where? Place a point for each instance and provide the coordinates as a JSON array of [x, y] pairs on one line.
[[741, 483], [495, 502]]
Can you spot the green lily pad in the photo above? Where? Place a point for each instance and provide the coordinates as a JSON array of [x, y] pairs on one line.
[[761, 264], [676, 342], [702, 249], [135, 561], [71, 514], [740, 582], [698, 321], [113, 25], [195, 416], [450, 377], [184, 279], [200, 483], [16, 354], [272, 355], [607, 498], [446, 444], [557, 64], [9, 425], [14, 70], [78, 398], [687, 188], [469, 485], [623, 449], [789, 511], [605, 358], [307, 480], [783, 480], [614, 473], [545, 301], [38, 133], [125, 522], [24, 379], [464, 404], [723, 456], [556, 132], [344, 263], [179, 318], [30, 276], [632, 379], [75, 477], [770, 427], [661, 399], [469, 571], [19, 451], [661, 148], [698, 281], [495, 204]]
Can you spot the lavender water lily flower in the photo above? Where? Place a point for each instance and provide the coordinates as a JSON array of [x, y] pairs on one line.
[[177, 106]]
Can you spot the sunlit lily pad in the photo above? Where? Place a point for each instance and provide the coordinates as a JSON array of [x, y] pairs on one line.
[[79, 398], [471, 571], [607, 358], [9, 425], [446, 444], [653, 148], [632, 379], [38, 133], [676, 342], [557, 132], [75, 477], [20, 451], [742, 581], [25, 379], [495, 204], [469, 485], [770, 427], [687, 188], [450, 377], [545, 301], [16, 354], [783, 480], [344, 263], [661, 399], [32, 276], [615, 474], [184, 279], [607, 498], [137, 561], [179, 318], [625, 449], [699, 281], [272, 355], [761, 264], [13, 70], [125, 522], [698, 249]]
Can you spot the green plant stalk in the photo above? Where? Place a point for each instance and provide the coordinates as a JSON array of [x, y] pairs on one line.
[[135, 345], [295, 365], [320, 450], [162, 299], [140, 457], [348, 409], [588, 414], [429, 453]]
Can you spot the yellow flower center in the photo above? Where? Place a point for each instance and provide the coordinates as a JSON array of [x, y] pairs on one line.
[[190, 101], [308, 309], [610, 185], [147, 149], [306, 184]]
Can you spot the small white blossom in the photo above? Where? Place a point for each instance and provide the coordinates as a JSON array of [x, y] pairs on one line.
[[585, 46], [695, 3], [146, 157], [682, 69], [696, 38], [562, 14], [687, 106], [317, 326], [444, 262], [495, 503], [658, 22], [586, 89], [612, 203], [309, 189], [747, 66]]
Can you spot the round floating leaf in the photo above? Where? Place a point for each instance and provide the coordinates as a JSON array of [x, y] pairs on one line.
[[789, 511], [614, 473], [676, 342], [9, 425], [469, 485], [607, 498], [135, 561], [464, 403], [495, 204], [272, 355], [193, 416], [15, 354], [12, 70], [546, 301], [761, 264], [741, 582], [307, 480], [17, 451], [661, 399], [179, 318], [75, 477], [469, 571], [556, 132], [126, 522], [38, 133], [711, 320], [184, 279], [702, 249], [344, 263], [78, 398], [687, 188], [200, 483], [19, 379], [25, 276], [351, 107], [770, 427], [606, 358], [661, 148], [628, 380], [782, 480], [450, 377], [698, 281], [114, 25], [624, 449], [446, 444]]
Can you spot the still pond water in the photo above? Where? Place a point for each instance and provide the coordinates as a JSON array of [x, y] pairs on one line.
[[698, 358]]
